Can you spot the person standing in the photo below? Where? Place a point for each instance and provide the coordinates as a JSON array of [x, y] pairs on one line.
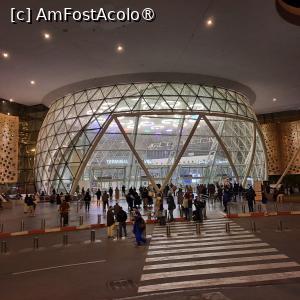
[[58, 199], [64, 212], [121, 217], [117, 194], [98, 195], [110, 191], [250, 196], [105, 200], [185, 205], [87, 201], [171, 205], [110, 222], [123, 190]]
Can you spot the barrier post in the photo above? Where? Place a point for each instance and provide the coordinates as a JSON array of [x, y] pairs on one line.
[[80, 220], [168, 229], [22, 227], [243, 208], [35, 242], [93, 236], [253, 227], [65, 239], [280, 226], [99, 219], [3, 247], [43, 224], [227, 227], [198, 228]]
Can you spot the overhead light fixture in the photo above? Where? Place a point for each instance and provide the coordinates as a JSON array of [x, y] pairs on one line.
[[120, 48], [274, 99], [5, 54], [8, 114], [11, 100], [32, 82], [209, 22], [47, 36]]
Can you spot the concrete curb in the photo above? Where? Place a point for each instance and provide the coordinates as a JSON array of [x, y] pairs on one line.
[[262, 214]]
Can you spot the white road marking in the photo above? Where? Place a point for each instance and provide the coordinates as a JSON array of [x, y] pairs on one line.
[[186, 250], [211, 228], [218, 281], [200, 243], [214, 261], [218, 270], [163, 236], [200, 238], [58, 267], [210, 254]]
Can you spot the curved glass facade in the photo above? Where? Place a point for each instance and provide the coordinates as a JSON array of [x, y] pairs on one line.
[[135, 133]]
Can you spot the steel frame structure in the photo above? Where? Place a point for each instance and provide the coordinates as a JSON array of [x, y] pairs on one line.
[[78, 123]]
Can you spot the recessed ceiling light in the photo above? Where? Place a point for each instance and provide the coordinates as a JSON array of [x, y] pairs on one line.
[[11, 100], [5, 54], [120, 48], [209, 22], [32, 82], [274, 99], [47, 36]]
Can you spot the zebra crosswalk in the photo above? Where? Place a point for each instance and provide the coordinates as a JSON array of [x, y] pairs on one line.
[[214, 258]]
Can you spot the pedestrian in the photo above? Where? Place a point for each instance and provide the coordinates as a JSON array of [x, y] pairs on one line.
[[26, 206], [117, 194], [98, 195], [250, 196], [68, 197], [105, 200], [64, 212], [121, 217], [171, 205], [185, 206], [110, 222], [123, 190], [139, 227], [58, 199], [30, 204], [87, 200], [117, 208], [110, 192]]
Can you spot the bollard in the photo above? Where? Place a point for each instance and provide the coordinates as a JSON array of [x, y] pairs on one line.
[[259, 207], [168, 230], [35, 242], [2, 227], [253, 227], [80, 220], [43, 224], [198, 228], [243, 208], [3, 247], [65, 239], [227, 227], [22, 227], [93, 236], [280, 226], [99, 219]]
